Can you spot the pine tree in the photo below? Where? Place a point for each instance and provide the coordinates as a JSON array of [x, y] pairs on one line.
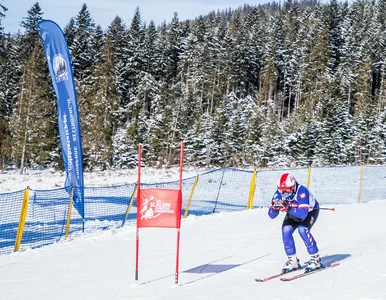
[[30, 25], [82, 51], [335, 132], [382, 135], [274, 84], [240, 123], [255, 134], [3, 11], [333, 21], [162, 129], [11, 71], [220, 151], [198, 141], [303, 142], [275, 63], [362, 87], [4, 130], [125, 153], [117, 35], [273, 141], [70, 32], [173, 49], [100, 120], [33, 133], [368, 137], [314, 79]]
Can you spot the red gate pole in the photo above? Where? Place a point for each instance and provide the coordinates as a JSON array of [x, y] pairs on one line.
[[138, 198], [177, 257], [179, 209]]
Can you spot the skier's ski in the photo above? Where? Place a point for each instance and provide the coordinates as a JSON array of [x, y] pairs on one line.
[[309, 273], [278, 275]]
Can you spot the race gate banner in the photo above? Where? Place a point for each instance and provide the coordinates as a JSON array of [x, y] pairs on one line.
[[159, 208], [59, 64]]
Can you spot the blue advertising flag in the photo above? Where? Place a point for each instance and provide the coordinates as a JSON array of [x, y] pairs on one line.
[[59, 64]]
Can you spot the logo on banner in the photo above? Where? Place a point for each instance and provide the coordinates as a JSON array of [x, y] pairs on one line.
[[152, 207], [60, 68]]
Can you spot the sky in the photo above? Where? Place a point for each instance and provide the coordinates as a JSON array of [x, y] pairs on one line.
[[103, 12], [220, 255]]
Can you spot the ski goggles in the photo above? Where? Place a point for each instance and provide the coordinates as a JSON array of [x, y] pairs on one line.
[[287, 194], [285, 191]]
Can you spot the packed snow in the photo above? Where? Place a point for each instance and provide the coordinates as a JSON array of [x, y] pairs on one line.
[[220, 254]]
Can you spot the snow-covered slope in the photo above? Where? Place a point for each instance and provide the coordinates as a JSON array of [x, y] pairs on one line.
[[220, 256]]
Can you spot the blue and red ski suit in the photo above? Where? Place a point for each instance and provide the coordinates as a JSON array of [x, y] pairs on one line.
[[302, 215]]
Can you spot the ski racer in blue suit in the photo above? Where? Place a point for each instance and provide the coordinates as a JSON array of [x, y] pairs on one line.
[[302, 211]]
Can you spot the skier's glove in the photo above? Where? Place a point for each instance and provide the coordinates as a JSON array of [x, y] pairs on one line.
[[286, 205], [281, 205], [277, 205]]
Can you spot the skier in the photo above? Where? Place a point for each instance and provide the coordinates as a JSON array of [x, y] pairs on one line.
[[302, 211]]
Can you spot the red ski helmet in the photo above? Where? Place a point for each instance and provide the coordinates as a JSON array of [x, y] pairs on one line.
[[286, 184]]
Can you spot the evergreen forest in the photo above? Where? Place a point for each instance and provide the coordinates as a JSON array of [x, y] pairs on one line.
[[287, 84]]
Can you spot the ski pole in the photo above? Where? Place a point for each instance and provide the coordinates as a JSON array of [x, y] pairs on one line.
[[325, 208], [321, 208]]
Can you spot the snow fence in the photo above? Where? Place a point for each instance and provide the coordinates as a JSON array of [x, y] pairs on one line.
[[34, 218]]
